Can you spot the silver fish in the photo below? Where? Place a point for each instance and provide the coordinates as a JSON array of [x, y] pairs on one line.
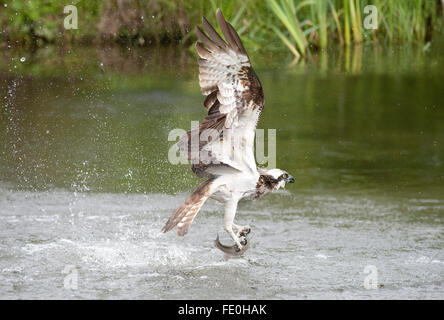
[[230, 250]]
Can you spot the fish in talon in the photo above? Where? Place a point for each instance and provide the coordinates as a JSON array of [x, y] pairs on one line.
[[231, 250]]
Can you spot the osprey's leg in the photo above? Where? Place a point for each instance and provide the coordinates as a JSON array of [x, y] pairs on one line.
[[230, 212]]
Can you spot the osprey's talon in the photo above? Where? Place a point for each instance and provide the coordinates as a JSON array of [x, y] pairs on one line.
[[245, 231], [244, 241], [242, 231]]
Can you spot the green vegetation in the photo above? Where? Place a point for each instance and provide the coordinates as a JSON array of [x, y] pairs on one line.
[[311, 22], [272, 25]]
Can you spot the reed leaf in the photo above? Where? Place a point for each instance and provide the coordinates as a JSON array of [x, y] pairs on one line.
[[290, 21]]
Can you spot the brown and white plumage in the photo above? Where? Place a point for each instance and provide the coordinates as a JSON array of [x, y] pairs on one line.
[[234, 100], [185, 214]]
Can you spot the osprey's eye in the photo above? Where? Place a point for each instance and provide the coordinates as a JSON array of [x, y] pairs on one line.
[[284, 176]]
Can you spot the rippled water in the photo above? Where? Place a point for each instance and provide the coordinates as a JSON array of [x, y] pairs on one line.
[[85, 182], [303, 246]]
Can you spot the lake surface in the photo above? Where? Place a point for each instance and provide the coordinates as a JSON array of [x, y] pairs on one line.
[[86, 185]]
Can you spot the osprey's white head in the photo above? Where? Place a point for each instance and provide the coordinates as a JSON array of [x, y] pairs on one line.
[[280, 177]]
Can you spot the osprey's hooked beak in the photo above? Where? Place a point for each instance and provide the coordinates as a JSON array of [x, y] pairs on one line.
[[289, 179]]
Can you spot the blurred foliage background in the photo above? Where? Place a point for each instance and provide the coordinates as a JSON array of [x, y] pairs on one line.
[[90, 109], [300, 26]]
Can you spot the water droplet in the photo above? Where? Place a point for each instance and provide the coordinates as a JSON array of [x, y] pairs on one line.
[[5, 5], [22, 59]]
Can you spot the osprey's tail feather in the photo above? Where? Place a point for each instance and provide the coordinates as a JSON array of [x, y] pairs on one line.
[[185, 214]]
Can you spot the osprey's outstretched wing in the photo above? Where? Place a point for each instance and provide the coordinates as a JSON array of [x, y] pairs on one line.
[[234, 100]]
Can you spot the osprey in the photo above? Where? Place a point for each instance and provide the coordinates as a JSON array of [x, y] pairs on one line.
[[221, 149]]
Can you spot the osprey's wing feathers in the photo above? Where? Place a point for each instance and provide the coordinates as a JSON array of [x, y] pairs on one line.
[[234, 99], [187, 211]]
